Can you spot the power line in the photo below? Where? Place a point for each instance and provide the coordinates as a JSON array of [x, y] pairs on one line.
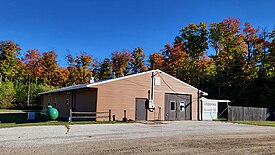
[[237, 96], [175, 91]]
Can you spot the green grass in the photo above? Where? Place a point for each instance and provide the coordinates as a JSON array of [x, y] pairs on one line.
[[17, 111], [259, 123], [50, 123], [11, 111], [221, 119]]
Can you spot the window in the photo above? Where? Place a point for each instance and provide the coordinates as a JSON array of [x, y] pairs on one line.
[[172, 104], [182, 105]]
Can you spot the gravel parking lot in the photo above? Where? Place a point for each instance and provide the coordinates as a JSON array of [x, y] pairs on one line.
[[186, 137]]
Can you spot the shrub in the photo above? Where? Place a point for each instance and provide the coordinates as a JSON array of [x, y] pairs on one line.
[[7, 94], [35, 99]]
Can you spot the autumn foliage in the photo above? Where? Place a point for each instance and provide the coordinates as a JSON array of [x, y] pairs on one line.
[[228, 59]]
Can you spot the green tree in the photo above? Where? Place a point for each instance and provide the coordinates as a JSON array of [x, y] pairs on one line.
[[137, 61], [105, 70], [228, 42], [193, 40], [8, 59], [7, 94], [271, 52], [83, 65]]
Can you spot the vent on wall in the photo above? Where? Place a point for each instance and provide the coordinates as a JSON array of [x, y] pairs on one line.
[[157, 81]]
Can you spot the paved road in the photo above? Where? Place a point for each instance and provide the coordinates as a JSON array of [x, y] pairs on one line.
[[30, 140]]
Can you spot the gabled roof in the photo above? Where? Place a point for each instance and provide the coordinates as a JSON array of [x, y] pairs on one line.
[[79, 86], [89, 85]]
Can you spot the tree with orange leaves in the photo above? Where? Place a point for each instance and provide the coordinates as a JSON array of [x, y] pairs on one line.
[[48, 66], [83, 65], [156, 61], [175, 60], [79, 68], [120, 62], [32, 65]]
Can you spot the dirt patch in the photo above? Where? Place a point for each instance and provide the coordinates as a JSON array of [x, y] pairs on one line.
[[252, 143]]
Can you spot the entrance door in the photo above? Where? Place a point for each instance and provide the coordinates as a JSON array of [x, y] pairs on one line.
[[177, 107], [141, 112]]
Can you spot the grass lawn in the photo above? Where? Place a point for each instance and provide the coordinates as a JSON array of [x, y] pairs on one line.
[[221, 119], [11, 111], [9, 125], [260, 123], [17, 111]]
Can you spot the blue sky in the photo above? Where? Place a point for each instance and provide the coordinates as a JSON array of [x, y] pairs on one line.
[[100, 27]]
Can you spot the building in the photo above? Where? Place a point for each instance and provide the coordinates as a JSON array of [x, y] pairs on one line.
[[210, 108], [172, 98]]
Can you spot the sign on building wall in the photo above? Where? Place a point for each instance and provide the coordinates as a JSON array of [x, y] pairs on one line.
[[210, 108]]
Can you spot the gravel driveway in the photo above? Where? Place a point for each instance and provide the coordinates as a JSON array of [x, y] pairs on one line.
[[185, 137]]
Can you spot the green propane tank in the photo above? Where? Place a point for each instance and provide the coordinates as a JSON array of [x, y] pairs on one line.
[[52, 112]]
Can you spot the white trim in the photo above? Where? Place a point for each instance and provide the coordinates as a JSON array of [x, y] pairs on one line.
[[188, 85], [92, 84], [119, 78], [215, 100]]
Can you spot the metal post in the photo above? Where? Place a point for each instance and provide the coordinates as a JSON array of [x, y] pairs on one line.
[[124, 118], [70, 118], [198, 100], [159, 116], [110, 115]]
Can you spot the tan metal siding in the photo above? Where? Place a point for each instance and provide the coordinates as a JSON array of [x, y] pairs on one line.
[[170, 85], [60, 100], [121, 94], [85, 100]]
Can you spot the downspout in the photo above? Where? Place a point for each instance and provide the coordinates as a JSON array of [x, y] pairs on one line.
[[198, 100], [152, 87], [151, 107]]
